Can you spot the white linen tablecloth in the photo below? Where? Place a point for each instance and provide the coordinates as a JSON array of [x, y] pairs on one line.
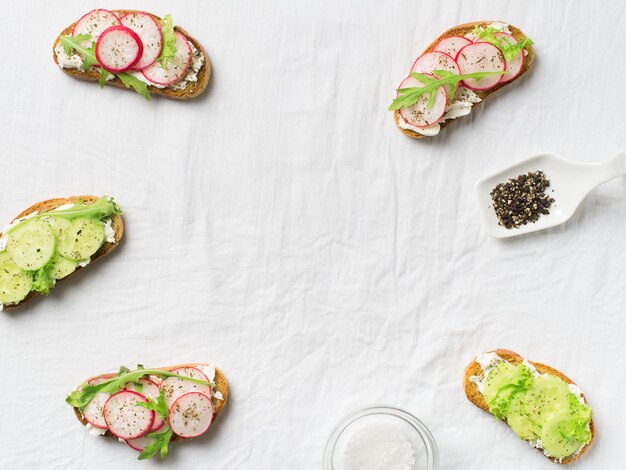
[[282, 228]]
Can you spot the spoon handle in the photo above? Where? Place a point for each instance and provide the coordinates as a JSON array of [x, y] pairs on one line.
[[599, 173]]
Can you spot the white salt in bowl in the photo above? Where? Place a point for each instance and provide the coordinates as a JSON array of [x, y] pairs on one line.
[[383, 437]]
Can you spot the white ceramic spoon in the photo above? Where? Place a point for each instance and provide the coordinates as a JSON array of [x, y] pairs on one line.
[[570, 182]]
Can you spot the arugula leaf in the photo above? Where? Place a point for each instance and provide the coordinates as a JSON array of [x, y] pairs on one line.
[[81, 398], [168, 51], [158, 404], [410, 96], [43, 281], [129, 81], [508, 49], [103, 76], [76, 43], [160, 443]]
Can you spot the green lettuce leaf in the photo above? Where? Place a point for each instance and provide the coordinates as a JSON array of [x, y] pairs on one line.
[[158, 405], [43, 282], [509, 50], [71, 44], [520, 382], [160, 445], [168, 50]]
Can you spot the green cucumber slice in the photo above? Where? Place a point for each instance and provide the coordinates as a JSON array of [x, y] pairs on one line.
[[31, 245], [499, 376], [15, 284], [61, 267], [59, 225], [518, 420], [548, 397], [81, 239], [555, 438]]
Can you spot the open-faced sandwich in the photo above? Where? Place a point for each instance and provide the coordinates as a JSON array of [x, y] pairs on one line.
[[149, 408], [457, 72], [127, 48], [53, 239], [540, 404]]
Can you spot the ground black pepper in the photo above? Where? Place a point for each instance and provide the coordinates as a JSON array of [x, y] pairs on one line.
[[522, 200]]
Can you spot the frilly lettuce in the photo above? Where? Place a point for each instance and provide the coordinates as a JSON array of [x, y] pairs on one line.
[[521, 381], [509, 50], [169, 41]]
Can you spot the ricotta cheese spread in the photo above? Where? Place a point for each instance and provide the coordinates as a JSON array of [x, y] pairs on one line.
[[109, 233], [94, 431]]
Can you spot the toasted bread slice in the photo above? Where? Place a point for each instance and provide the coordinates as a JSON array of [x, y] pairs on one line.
[[45, 206], [218, 405], [473, 394], [462, 30], [192, 90]]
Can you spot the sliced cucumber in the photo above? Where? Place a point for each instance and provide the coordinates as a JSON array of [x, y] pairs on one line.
[[15, 284], [59, 225], [499, 376], [31, 245], [61, 267], [548, 397], [81, 239], [555, 438], [518, 420]]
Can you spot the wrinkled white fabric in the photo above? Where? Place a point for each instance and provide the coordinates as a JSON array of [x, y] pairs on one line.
[[282, 228]]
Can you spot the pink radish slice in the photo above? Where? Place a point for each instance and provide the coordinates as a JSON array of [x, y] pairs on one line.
[[141, 443], [514, 66], [149, 390], [176, 68], [95, 22], [94, 411], [418, 114], [118, 49], [150, 34], [431, 61], [125, 418], [452, 45], [191, 415], [174, 387], [481, 57]]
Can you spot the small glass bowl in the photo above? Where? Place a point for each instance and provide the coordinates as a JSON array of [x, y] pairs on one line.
[[426, 452]]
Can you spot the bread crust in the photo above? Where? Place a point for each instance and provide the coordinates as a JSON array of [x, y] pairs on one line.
[[462, 30], [218, 405], [473, 394], [50, 204], [192, 90]]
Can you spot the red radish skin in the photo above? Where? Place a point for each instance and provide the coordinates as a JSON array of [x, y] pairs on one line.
[[452, 45], [94, 411], [150, 390], [175, 387], [514, 66], [481, 57], [95, 22], [140, 443], [125, 419], [176, 67], [435, 60], [150, 34], [419, 115], [191, 415], [118, 49]]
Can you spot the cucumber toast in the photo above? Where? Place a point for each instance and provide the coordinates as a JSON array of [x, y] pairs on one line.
[[149, 408], [134, 49], [540, 404], [53, 239], [457, 72]]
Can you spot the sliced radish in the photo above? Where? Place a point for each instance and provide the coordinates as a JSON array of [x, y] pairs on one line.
[[452, 45], [141, 443], [150, 34], [176, 68], [174, 387], [94, 411], [125, 418], [95, 22], [431, 61], [514, 66], [118, 49], [191, 415], [418, 114], [481, 57], [149, 390]]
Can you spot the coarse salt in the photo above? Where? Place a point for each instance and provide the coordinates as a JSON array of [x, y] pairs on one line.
[[379, 447]]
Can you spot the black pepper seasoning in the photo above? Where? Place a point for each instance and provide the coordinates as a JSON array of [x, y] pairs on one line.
[[521, 200]]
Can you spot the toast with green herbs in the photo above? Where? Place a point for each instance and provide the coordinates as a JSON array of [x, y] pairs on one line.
[[506, 380], [72, 60], [53, 240]]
